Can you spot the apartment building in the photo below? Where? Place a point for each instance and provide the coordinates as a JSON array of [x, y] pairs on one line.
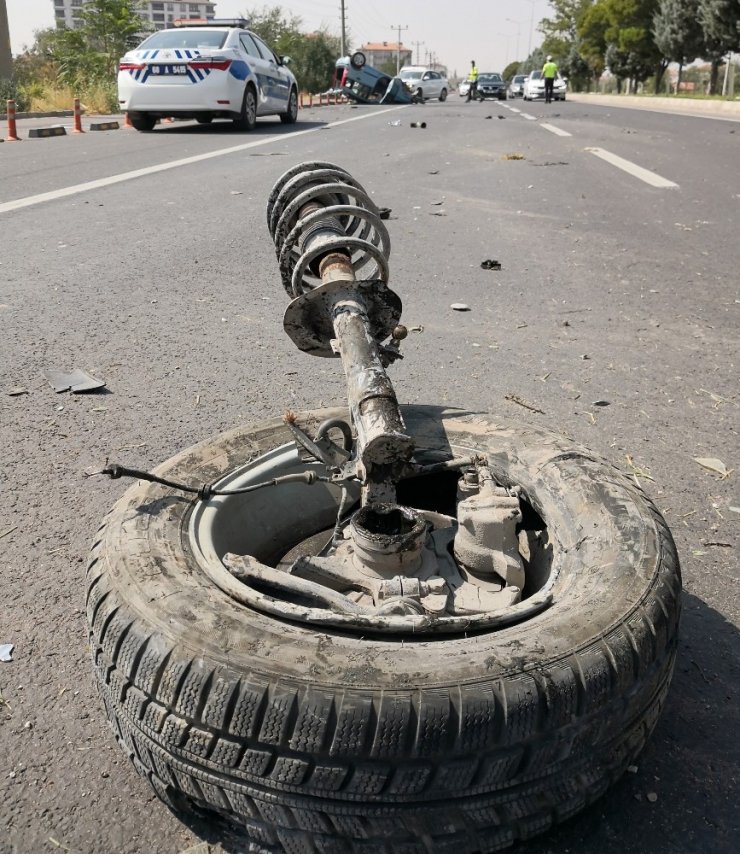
[[160, 14]]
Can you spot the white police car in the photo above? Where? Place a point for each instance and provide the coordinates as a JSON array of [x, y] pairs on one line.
[[206, 69]]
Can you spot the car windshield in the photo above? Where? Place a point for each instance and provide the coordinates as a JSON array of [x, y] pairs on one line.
[[489, 78], [184, 38], [411, 75], [520, 78], [535, 75]]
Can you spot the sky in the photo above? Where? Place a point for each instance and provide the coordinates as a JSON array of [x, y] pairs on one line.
[[492, 32]]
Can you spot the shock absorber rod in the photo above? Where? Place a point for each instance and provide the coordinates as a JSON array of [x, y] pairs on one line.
[[326, 229], [383, 444]]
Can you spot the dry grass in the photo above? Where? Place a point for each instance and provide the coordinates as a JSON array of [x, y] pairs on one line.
[[54, 96]]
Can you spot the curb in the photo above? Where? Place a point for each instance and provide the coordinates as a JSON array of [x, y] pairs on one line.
[[58, 114], [697, 106]]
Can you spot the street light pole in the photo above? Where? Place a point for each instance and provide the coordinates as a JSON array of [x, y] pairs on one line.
[[518, 33], [6, 56], [342, 47], [398, 50], [531, 28]]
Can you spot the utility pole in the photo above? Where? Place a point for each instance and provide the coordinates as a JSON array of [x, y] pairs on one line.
[[398, 50], [417, 45], [6, 57], [342, 47], [531, 29]]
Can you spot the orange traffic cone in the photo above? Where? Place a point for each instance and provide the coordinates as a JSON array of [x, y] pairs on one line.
[[77, 126], [12, 133]]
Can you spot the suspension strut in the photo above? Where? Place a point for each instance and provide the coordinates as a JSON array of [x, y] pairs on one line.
[[332, 249]]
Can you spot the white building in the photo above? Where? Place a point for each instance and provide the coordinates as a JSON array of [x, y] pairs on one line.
[[160, 14]]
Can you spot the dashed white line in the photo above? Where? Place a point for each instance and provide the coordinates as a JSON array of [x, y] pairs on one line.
[[632, 168], [531, 118], [556, 130], [15, 205]]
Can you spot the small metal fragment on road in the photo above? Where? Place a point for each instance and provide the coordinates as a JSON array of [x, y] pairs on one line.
[[16, 391], [632, 769], [76, 381], [6, 651], [585, 357], [490, 264], [652, 797], [601, 403], [502, 117], [514, 398], [385, 213], [418, 124], [396, 124], [460, 306]]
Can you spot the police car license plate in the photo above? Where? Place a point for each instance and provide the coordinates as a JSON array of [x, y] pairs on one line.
[[168, 69]]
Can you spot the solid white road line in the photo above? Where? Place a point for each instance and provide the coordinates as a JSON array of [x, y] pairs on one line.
[[5, 207], [632, 168], [557, 131]]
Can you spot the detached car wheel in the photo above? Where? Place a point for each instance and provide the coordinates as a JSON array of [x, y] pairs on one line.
[[332, 740]]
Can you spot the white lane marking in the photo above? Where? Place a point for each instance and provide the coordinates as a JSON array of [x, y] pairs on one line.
[[632, 168], [557, 131], [5, 207], [515, 110], [531, 118]]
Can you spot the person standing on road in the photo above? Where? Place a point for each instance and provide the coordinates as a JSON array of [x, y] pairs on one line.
[[549, 72], [473, 81]]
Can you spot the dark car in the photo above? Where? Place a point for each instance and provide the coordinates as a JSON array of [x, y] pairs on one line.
[[491, 85]]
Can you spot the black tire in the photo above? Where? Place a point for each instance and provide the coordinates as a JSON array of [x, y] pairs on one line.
[[290, 116], [143, 121], [327, 741], [247, 118], [420, 95], [443, 95], [358, 59]]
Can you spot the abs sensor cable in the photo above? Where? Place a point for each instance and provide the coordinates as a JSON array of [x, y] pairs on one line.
[[206, 490]]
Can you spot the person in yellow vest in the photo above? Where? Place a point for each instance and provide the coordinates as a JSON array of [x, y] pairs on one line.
[[549, 72], [473, 81]]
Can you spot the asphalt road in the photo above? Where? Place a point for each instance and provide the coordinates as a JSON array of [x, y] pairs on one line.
[[164, 284]]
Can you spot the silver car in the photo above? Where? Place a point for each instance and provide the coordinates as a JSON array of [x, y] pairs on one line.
[[424, 82], [516, 85]]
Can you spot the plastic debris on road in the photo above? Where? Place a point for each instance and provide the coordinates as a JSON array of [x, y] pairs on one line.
[[6, 651], [76, 381]]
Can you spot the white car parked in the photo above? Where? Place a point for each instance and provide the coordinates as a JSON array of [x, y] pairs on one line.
[[534, 87], [424, 82], [206, 69]]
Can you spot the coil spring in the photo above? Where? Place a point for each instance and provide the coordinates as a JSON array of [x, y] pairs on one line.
[[348, 221]]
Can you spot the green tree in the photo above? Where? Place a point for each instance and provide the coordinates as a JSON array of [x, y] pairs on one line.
[[91, 52], [313, 55], [623, 30], [720, 23], [511, 69], [676, 34], [561, 38]]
